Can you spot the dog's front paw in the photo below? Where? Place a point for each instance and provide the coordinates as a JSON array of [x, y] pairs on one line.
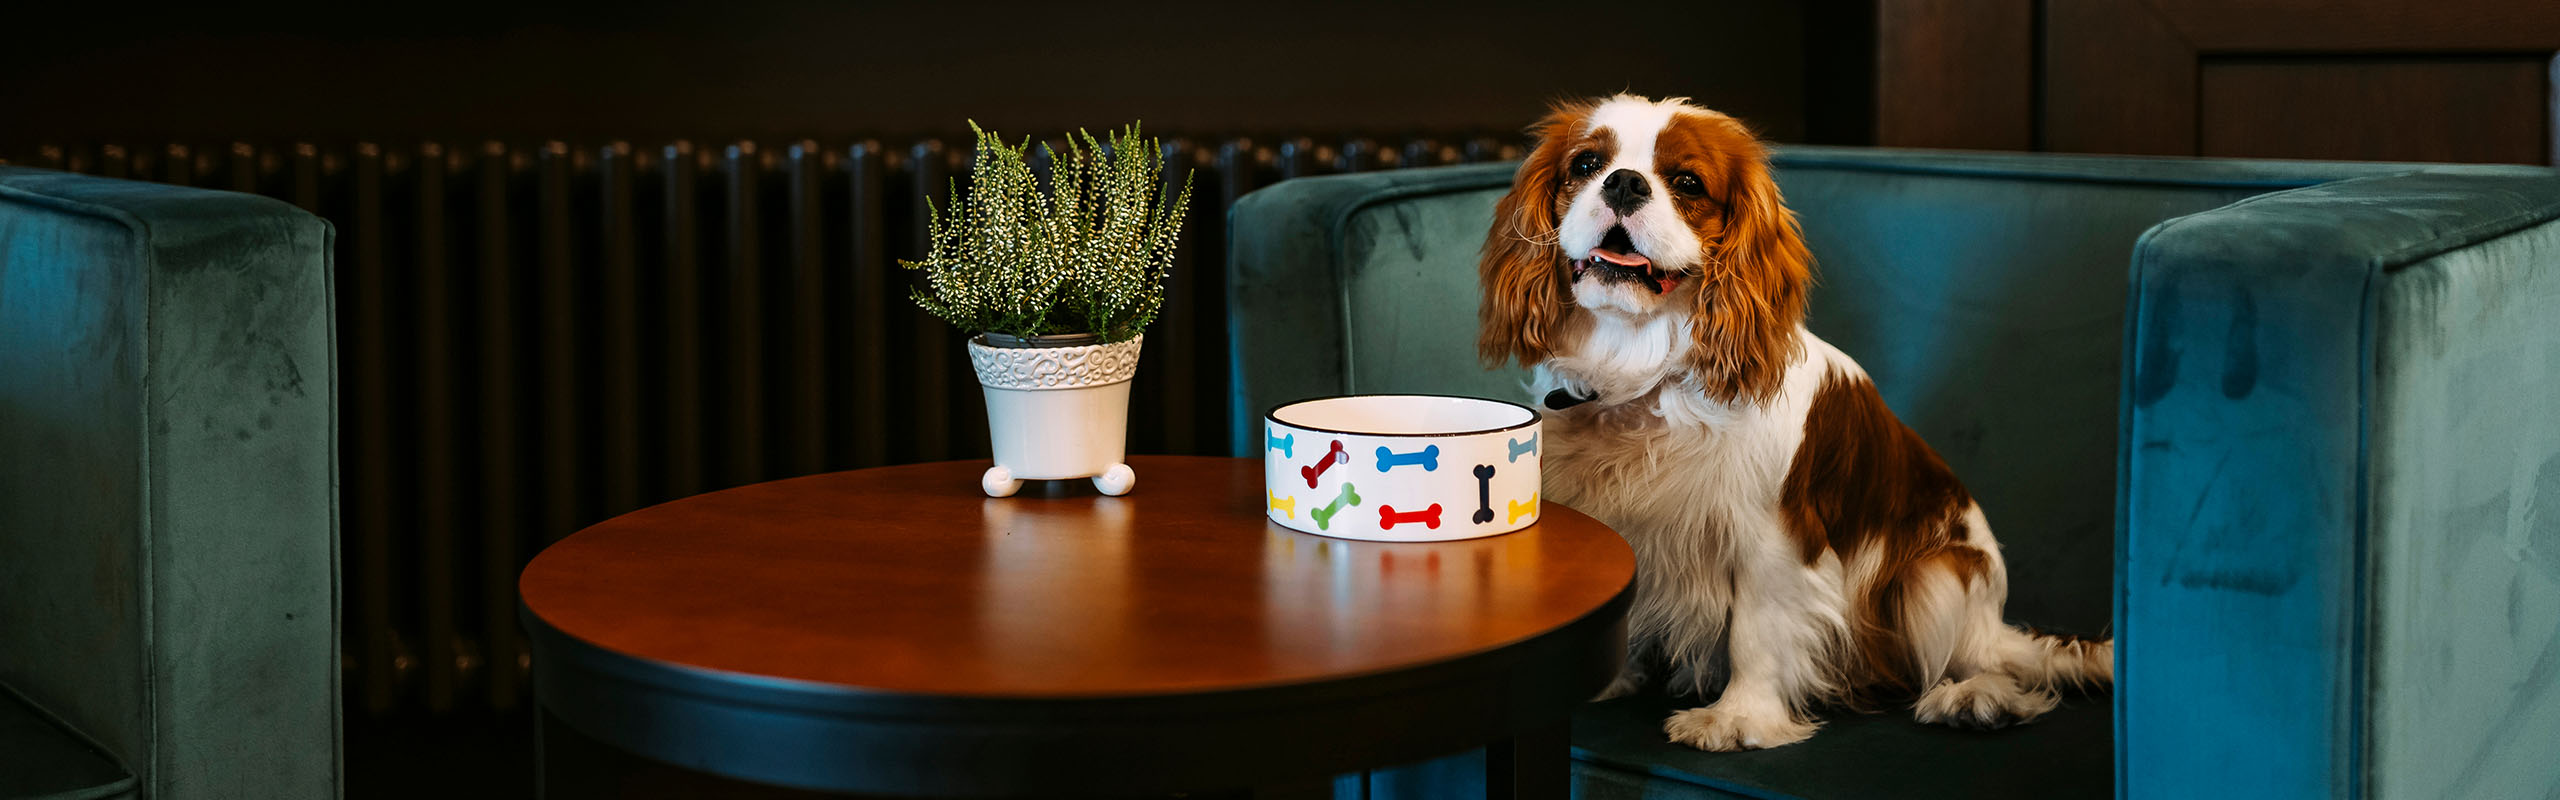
[[1724, 728]]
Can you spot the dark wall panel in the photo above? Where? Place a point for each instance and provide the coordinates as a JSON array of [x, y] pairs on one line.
[[2494, 109], [2436, 80], [653, 70]]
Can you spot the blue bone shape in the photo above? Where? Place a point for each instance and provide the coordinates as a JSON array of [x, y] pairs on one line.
[[1428, 457], [1519, 447], [1284, 444]]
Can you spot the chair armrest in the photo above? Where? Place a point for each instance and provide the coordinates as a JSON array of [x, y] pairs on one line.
[[168, 479], [2284, 390], [1285, 287]]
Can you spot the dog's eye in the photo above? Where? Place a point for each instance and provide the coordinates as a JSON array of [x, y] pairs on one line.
[[1585, 164], [1687, 183]]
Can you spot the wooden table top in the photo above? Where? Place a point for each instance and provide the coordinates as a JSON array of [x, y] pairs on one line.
[[907, 580]]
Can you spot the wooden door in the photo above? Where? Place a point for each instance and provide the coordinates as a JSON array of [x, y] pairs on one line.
[[2413, 80], [2418, 80]]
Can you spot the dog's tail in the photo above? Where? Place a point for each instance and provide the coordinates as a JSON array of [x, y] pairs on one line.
[[2058, 661]]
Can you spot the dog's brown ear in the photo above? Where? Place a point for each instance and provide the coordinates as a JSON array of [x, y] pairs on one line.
[[1522, 269], [1758, 270]]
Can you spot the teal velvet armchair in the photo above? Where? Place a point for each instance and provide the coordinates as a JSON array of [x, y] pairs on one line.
[[168, 493], [2290, 431]]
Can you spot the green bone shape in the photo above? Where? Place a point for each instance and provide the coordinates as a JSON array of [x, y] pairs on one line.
[[1324, 516]]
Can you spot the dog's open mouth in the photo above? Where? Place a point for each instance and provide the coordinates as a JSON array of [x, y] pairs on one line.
[[1615, 259]]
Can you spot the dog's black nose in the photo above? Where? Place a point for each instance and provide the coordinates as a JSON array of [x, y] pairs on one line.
[[1624, 191]]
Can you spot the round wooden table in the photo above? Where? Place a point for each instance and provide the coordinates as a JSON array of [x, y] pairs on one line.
[[894, 631]]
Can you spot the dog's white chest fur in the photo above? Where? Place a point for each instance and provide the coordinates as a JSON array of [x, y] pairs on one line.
[[1693, 485], [1651, 452]]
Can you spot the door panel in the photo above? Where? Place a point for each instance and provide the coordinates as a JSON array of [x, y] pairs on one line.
[[2437, 80], [2490, 109]]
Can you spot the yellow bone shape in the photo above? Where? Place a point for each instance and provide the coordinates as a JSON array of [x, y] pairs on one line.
[[1520, 509], [1289, 506]]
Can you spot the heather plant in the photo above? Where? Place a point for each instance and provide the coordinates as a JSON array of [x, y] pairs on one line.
[[1087, 254]]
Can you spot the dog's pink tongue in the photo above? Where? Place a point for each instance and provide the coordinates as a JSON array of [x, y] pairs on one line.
[[1621, 259]]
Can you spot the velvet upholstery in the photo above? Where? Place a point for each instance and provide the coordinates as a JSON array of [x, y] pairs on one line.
[[1989, 296], [168, 520], [42, 758], [2338, 413], [2465, 600]]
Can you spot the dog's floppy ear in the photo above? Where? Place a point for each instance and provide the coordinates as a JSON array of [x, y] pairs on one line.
[[1522, 270], [1758, 270]]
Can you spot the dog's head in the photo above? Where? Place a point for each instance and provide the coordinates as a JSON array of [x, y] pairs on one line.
[[1634, 209]]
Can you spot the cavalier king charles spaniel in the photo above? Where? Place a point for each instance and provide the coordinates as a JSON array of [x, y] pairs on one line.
[[1798, 546]]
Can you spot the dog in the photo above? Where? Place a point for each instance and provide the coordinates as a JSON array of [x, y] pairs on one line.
[[1798, 546]]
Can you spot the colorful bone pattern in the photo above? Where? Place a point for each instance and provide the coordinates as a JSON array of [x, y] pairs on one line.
[[1389, 517], [1484, 493], [1520, 448], [1289, 506], [1324, 516], [1428, 458], [1324, 462]]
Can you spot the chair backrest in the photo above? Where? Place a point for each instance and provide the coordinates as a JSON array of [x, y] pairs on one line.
[[168, 521], [1984, 292]]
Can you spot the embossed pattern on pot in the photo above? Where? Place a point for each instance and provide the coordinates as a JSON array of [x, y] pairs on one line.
[[1055, 367]]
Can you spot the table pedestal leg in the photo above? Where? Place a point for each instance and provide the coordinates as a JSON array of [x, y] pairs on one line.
[[1537, 764], [570, 765]]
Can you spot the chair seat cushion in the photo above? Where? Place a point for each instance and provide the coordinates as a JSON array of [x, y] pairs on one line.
[[42, 760], [1620, 752], [2068, 753]]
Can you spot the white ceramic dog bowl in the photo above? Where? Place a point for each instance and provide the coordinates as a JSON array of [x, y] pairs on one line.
[[1401, 467]]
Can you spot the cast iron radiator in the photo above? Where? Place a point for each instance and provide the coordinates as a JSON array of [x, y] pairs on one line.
[[535, 337]]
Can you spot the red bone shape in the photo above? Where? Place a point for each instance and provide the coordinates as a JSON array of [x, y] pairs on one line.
[[1389, 518], [1325, 462]]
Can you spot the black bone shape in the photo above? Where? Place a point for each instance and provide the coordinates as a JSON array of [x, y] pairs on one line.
[[1484, 493]]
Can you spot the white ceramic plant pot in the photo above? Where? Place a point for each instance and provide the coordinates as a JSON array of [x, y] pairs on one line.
[[1057, 412]]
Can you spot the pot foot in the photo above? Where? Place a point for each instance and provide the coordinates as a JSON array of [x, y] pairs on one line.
[[999, 482], [1117, 480]]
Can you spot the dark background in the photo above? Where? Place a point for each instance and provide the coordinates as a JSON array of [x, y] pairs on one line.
[[1257, 91], [2457, 80], [768, 68]]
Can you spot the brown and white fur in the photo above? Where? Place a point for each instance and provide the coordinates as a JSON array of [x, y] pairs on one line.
[[1798, 546]]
